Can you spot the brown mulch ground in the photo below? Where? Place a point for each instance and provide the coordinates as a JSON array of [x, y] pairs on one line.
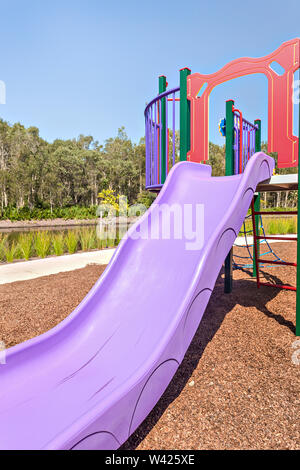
[[29, 308], [237, 387]]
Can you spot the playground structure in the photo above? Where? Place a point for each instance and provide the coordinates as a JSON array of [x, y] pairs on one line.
[[90, 382], [243, 138]]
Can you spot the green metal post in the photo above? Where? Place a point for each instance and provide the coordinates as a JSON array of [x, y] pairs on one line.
[[257, 195], [229, 158], [185, 120], [258, 136], [229, 170], [162, 86], [298, 246]]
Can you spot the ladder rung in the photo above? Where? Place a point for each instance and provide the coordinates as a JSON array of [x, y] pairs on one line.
[[268, 237], [267, 261], [275, 213], [278, 286]]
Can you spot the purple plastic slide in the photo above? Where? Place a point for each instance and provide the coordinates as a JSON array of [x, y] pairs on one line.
[[89, 382]]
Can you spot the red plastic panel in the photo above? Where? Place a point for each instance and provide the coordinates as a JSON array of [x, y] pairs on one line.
[[280, 101]]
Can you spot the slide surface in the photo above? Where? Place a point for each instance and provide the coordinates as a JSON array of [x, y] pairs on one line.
[[89, 382]]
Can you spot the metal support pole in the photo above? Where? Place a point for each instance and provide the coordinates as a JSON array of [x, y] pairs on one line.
[[162, 86], [185, 120], [229, 157], [229, 170], [298, 246], [257, 197]]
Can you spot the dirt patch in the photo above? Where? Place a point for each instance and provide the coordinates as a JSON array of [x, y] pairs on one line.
[[237, 387]]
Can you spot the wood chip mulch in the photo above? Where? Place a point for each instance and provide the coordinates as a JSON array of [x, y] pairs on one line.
[[237, 387], [29, 308]]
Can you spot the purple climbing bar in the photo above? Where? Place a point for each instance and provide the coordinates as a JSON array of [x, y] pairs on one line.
[[244, 141]]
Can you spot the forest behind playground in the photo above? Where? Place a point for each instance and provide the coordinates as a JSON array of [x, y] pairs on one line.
[[63, 179]]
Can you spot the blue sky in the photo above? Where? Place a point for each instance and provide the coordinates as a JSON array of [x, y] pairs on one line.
[[89, 66]]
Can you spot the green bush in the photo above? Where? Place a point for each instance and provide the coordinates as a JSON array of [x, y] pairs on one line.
[[146, 198], [66, 213]]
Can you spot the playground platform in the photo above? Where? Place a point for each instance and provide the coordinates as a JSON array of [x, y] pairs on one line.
[[280, 183]]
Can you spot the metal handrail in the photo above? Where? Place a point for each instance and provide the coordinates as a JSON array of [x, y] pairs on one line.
[[160, 96], [160, 156]]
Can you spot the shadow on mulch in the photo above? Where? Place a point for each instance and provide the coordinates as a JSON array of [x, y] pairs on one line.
[[267, 296], [210, 324]]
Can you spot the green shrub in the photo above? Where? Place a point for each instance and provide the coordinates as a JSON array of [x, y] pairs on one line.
[[146, 198], [36, 213]]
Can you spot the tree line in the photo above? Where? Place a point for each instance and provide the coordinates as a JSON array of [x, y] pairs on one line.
[[37, 174]]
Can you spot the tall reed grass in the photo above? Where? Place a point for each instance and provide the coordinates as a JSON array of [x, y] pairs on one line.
[[87, 239], [275, 226], [10, 252], [25, 242], [58, 243], [42, 244], [71, 241]]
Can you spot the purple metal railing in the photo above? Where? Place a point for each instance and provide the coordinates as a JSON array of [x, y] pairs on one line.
[[246, 138], [153, 126]]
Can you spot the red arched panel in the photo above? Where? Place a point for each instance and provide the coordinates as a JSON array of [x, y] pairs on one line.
[[280, 101]]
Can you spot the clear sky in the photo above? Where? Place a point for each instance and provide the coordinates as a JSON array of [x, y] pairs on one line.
[[89, 66]]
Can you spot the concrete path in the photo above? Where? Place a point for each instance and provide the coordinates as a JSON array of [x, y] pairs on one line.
[[24, 270]]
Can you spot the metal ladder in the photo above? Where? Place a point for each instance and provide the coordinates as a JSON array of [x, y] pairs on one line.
[[256, 239]]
